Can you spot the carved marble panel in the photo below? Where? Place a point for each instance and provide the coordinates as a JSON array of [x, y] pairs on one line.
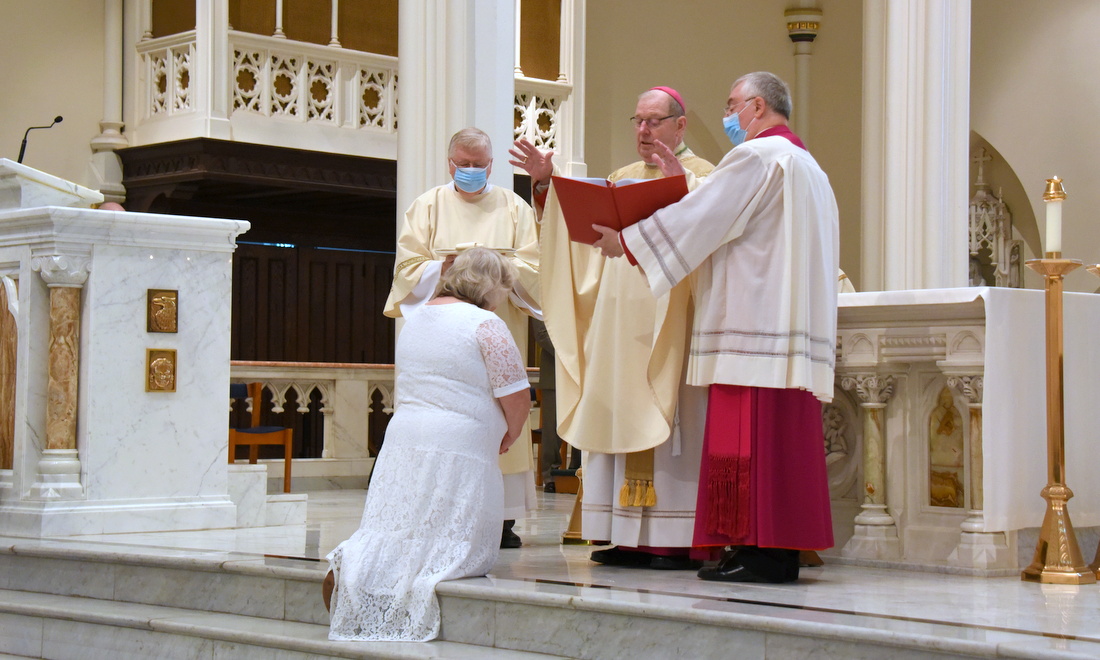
[[64, 368], [841, 425], [946, 453], [8, 344]]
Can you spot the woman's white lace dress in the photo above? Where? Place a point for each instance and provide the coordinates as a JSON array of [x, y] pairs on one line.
[[434, 506]]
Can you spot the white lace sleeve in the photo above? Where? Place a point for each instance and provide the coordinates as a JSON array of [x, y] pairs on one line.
[[502, 360]]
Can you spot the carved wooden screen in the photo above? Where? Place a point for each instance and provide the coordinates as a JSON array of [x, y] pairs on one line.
[[311, 305]]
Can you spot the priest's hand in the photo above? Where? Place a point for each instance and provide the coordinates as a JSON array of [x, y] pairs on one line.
[[667, 161], [507, 443], [529, 158], [609, 242], [448, 261]]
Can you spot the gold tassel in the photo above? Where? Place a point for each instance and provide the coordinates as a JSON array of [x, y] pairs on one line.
[[624, 494], [639, 492], [650, 494]]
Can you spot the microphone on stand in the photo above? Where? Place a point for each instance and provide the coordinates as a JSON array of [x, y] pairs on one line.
[[23, 148]]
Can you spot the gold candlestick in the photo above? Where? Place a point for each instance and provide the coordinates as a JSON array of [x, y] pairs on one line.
[[1058, 558]]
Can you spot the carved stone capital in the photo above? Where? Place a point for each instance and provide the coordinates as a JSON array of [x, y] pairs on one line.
[[871, 388], [968, 386], [62, 270]]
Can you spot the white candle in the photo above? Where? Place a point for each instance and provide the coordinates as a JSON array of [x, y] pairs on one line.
[[1054, 226]]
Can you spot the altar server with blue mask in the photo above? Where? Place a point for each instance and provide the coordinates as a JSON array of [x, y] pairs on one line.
[[447, 219]]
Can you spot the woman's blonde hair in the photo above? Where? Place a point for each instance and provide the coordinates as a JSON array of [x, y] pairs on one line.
[[479, 276]]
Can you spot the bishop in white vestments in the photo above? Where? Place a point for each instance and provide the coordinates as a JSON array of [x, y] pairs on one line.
[[620, 384]]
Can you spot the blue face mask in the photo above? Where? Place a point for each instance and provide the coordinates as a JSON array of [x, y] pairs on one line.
[[471, 179], [732, 126]]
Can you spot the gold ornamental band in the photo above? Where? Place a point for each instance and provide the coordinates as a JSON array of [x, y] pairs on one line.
[[803, 25], [409, 262]]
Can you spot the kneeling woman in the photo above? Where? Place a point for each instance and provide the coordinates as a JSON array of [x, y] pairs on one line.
[[435, 502]]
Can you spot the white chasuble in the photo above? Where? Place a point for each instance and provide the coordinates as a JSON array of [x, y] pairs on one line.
[[620, 381], [437, 222]]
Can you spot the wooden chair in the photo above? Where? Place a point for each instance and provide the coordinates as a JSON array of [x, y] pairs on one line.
[[256, 435]]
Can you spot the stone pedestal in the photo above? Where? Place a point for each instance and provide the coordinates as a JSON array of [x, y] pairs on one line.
[[95, 451]]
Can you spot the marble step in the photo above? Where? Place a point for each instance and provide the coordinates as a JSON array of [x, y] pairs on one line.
[[235, 604], [233, 583], [593, 622], [61, 627]]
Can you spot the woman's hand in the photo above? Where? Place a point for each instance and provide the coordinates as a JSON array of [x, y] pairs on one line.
[[516, 407]]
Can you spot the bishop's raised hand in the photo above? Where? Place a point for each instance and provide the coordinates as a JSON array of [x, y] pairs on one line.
[[529, 158]]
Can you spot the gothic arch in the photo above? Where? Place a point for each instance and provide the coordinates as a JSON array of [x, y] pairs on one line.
[[999, 173]]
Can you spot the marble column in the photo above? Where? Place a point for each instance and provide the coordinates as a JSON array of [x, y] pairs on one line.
[[977, 548], [876, 533], [335, 40], [59, 467], [210, 73], [106, 164], [455, 70], [9, 333], [518, 69], [916, 119], [571, 114], [803, 22]]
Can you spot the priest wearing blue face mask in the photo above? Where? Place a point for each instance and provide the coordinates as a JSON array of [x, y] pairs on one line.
[[449, 218]]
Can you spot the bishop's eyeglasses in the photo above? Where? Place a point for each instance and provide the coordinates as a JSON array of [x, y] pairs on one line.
[[652, 122]]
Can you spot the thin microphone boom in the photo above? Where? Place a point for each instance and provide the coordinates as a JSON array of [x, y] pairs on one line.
[[23, 148]]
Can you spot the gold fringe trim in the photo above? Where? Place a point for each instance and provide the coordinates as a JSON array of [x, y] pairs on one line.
[[409, 262], [637, 493], [637, 489]]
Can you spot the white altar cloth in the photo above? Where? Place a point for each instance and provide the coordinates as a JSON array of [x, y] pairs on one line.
[[1014, 401]]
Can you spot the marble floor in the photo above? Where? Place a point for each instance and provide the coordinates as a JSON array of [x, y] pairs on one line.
[[1034, 619]]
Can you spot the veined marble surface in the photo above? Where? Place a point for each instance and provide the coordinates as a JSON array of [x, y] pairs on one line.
[[838, 600]]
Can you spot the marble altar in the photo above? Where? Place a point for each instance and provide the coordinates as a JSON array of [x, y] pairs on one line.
[[987, 345], [94, 450]]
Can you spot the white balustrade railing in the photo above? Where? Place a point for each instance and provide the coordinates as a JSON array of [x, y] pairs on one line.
[[166, 72], [538, 105], [322, 88], [346, 393], [277, 78], [310, 83]]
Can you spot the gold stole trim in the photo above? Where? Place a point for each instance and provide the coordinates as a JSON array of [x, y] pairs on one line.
[[409, 262], [637, 489]]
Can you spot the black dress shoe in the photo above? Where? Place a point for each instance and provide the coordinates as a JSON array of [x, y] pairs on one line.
[[550, 487], [508, 538], [662, 563], [752, 564], [619, 557], [734, 573]]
